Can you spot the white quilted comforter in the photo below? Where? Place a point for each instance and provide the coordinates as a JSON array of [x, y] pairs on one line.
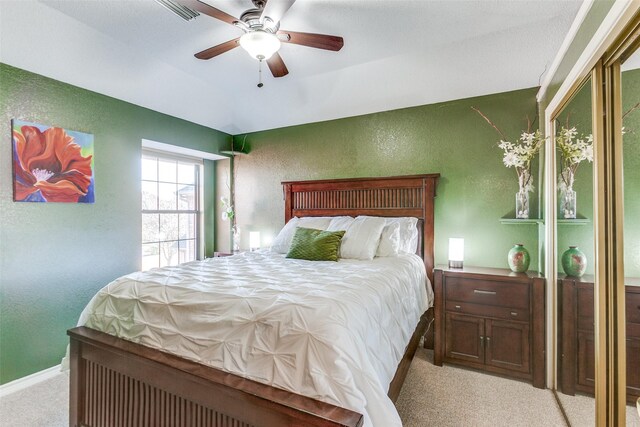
[[334, 331]]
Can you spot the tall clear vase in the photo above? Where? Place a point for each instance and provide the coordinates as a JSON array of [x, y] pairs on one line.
[[522, 204], [568, 204], [236, 239]]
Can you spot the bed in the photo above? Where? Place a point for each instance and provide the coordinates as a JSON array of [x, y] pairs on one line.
[[115, 381]]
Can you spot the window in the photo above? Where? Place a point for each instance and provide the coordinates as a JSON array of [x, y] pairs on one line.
[[170, 209]]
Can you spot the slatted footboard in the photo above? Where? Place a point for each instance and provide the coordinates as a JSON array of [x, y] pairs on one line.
[[119, 383]]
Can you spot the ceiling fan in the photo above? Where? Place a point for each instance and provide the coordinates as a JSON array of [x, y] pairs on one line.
[[262, 36]]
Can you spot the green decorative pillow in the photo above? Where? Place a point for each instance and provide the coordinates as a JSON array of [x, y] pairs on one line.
[[315, 245]]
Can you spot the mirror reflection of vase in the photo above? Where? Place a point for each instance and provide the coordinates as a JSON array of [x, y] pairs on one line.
[[574, 262], [568, 205]]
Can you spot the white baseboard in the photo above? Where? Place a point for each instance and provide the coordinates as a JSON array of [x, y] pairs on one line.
[[29, 380]]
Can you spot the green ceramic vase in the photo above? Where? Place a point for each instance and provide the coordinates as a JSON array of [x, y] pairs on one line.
[[574, 262], [519, 258]]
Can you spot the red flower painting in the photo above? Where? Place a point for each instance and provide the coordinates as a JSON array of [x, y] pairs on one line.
[[48, 165]]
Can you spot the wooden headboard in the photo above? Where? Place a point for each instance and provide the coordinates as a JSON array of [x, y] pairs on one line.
[[387, 196]]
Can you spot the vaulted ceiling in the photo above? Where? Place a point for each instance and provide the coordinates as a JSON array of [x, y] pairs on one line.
[[397, 53]]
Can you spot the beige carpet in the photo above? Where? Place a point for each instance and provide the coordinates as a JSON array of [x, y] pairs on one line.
[[452, 396], [45, 404], [431, 396]]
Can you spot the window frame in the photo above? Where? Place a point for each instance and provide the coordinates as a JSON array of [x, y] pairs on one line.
[[198, 202]]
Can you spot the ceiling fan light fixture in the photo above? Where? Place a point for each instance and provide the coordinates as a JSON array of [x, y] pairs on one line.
[[260, 44]]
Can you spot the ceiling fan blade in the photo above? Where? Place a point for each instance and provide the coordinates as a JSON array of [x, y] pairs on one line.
[[275, 9], [208, 10], [276, 65], [319, 41], [219, 49]]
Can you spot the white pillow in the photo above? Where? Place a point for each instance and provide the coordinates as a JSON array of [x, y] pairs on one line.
[[339, 223], [317, 222], [282, 242], [408, 233], [362, 238], [389, 240]]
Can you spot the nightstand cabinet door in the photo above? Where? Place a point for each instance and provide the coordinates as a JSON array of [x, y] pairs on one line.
[[507, 345], [586, 360], [464, 338]]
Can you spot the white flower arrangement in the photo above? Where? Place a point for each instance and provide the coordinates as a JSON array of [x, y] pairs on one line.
[[519, 155], [574, 149]]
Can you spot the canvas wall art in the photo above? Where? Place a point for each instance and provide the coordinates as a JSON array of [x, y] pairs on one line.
[[51, 164]]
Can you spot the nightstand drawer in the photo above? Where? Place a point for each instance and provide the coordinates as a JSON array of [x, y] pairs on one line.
[[482, 291], [488, 311]]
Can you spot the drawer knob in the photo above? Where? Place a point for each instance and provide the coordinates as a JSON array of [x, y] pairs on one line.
[[457, 307], [481, 292], [514, 313]]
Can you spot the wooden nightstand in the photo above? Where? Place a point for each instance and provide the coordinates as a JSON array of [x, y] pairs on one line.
[[491, 319]]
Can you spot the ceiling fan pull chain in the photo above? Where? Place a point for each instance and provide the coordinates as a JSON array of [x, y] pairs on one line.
[[260, 73]]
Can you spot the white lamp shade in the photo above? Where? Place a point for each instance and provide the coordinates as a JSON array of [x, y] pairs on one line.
[[456, 249], [260, 44], [254, 239]]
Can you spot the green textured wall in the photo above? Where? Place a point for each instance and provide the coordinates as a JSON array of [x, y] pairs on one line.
[[54, 257], [474, 192]]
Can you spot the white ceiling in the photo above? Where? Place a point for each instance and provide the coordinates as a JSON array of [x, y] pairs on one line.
[[397, 53]]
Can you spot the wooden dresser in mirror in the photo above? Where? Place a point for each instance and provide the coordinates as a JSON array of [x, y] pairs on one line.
[[576, 357]]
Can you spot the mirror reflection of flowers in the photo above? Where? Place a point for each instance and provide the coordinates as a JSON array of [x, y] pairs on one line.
[[574, 149], [518, 154]]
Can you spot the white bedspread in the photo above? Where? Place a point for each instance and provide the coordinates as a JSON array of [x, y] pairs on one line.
[[334, 331]]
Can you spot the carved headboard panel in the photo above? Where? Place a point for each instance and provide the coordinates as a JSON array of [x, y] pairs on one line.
[[386, 196]]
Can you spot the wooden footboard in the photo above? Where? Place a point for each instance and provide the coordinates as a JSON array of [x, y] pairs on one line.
[[115, 382], [119, 383]]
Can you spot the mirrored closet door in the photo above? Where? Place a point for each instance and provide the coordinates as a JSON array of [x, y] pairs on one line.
[[575, 242], [594, 294], [573, 143]]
